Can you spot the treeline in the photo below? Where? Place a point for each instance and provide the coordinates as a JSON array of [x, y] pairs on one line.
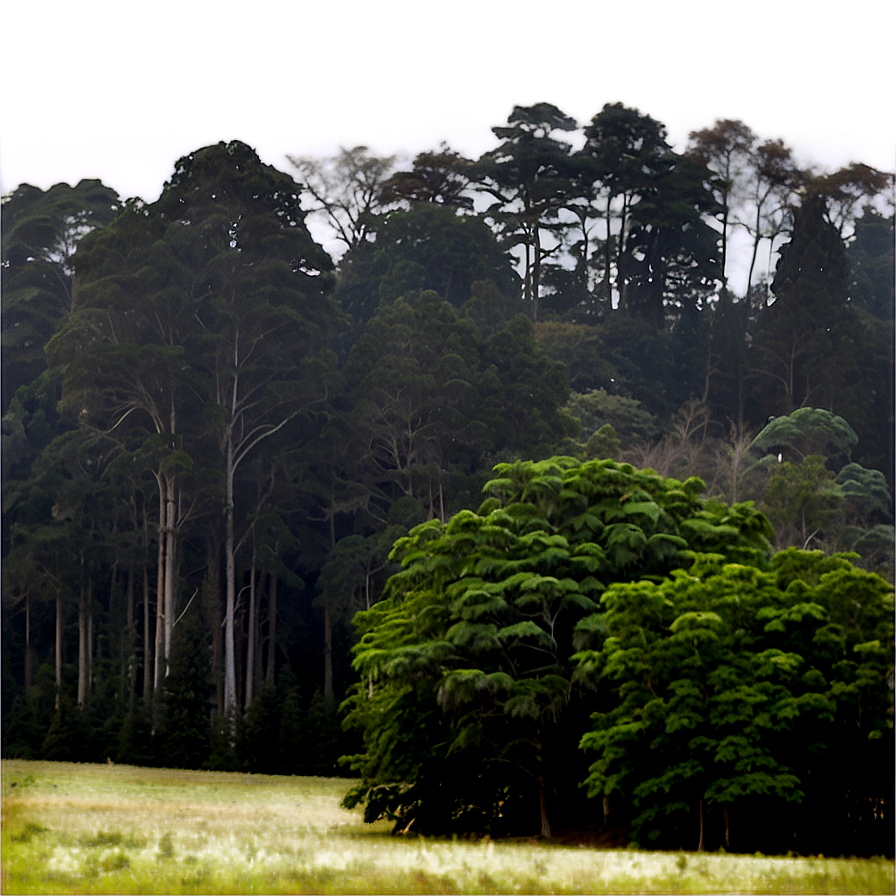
[[213, 432]]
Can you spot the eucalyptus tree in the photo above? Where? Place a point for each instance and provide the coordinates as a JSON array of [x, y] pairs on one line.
[[263, 318], [121, 358], [528, 176], [770, 195]]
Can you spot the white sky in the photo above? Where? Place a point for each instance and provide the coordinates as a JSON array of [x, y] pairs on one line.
[[120, 91]]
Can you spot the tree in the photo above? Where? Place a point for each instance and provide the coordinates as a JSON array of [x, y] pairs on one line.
[[871, 264], [597, 408], [41, 231], [428, 247], [265, 313], [465, 698], [807, 339], [346, 190], [622, 150], [440, 177], [725, 149], [415, 372], [807, 431], [670, 260], [769, 195], [528, 175], [731, 686]]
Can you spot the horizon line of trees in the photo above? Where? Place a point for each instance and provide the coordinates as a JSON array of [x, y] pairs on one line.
[[213, 432]]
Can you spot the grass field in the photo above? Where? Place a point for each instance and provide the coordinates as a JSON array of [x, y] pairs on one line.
[[120, 829]]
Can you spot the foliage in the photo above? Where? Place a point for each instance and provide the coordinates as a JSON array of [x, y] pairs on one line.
[[465, 700], [246, 421], [735, 688]]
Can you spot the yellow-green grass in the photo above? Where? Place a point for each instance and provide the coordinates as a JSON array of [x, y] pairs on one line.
[[71, 828]]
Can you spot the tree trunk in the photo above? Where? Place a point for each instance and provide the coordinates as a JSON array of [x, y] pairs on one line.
[[170, 561], [59, 635], [701, 844], [131, 623], [329, 695], [159, 660], [82, 644], [29, 650], [89, 640], [543, 806], [252, 636], [272, 629], [147, 638], [230, 576]]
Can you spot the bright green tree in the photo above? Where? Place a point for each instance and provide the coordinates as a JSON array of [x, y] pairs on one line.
[[465, 700]]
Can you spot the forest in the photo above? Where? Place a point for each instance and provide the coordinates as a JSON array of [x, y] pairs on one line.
[[414, 501]]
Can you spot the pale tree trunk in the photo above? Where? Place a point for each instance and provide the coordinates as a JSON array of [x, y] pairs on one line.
[[147, 638], [131, 639], [272, 629], [251, 642], [170, 563], [159, 660], [230, 576], [89, 640]]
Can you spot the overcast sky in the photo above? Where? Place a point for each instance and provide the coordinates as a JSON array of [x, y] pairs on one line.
[[120, 91]]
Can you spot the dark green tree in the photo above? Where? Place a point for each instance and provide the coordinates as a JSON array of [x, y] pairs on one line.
[[746, 700], [438, 176], [41, 231], [807, 343], [623, 149], [528, 176], [871, 265]]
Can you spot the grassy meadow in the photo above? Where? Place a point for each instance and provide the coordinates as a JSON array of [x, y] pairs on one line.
[[71, 828]]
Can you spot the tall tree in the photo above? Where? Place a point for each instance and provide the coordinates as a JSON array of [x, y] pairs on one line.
[[41, 231], [770, 194], [806, 340], [527, 175], [725, 149], [264, 316], [120, 356], [622, 150]]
